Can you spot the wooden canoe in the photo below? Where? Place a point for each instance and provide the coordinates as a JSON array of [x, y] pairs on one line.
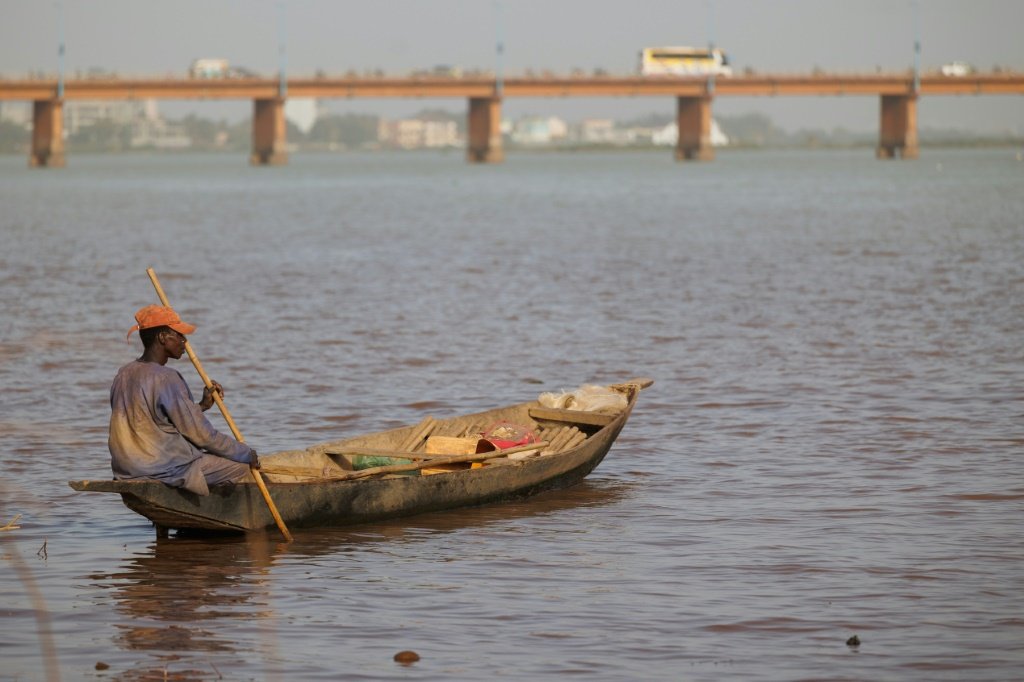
[[323, 486]]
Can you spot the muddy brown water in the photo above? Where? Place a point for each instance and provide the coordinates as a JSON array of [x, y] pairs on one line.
[[833, 446]]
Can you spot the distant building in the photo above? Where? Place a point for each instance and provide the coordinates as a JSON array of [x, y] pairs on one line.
[[80, 114], [603, 131], [159, 134], [412, 133], [18, 113], [643, 135], [538, 130], [440, 134], [148, 128], [596, 130]]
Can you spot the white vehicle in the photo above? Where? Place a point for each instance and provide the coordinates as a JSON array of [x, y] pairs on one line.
[[209, 68], [957, 69], [683, 61]]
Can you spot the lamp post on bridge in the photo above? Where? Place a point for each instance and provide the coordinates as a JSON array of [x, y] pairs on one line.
[[60, 50], [711, 46], [269, 127], [499, 51], [693, 112], [897, 134], [46, 148], [483, 121], [917, 47], [282, 86]]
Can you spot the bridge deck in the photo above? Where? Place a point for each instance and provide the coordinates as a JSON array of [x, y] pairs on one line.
[[586, 86]]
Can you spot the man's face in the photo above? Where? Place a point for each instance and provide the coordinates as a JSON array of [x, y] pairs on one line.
[[174, 343]]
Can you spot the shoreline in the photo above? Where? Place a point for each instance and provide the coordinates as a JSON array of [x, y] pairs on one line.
[[546, 149]]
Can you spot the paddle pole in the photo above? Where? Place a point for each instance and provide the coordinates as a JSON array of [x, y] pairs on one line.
[[224, 411]]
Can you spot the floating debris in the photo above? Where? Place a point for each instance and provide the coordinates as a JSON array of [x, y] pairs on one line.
[[853, 641], [42, 551], [12, 524], [407, 657], [100, 665]]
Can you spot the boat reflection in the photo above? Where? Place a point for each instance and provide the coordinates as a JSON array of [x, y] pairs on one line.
[[205, 594], [170, 593], [589, 493]]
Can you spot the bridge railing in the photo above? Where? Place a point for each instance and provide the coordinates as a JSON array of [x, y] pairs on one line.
[[477, 74]]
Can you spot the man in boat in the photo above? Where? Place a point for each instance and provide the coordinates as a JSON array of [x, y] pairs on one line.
[[157, 430]]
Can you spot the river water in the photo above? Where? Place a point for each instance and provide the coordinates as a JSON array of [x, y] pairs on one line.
[[833, 445]]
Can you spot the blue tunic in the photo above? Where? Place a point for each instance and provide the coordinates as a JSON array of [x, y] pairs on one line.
[[158, 432]]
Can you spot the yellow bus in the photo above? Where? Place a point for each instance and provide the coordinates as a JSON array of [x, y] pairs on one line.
[[683, 61]]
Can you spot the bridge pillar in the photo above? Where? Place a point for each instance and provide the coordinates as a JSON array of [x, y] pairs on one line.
[[484, 136], [47, 134], [898, 127], [693, 119], [269, 133]]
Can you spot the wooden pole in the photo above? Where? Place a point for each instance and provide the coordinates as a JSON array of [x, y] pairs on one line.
[[433, 462], [421, 431], [224, 411]]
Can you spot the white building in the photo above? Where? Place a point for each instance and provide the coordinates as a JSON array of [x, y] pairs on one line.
[[603, 131], [440, 134], [538, 130], [159, 134], [413, 133], [303, 112], [80, 114], [596, 130], [18, 113], [148, 128], [669, 135]]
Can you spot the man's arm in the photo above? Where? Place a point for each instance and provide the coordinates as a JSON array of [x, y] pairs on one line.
[[187, 417]]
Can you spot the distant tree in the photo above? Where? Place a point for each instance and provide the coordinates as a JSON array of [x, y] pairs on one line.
[[442, 116], [350, 131], [239, 135], [294, 133], [14, 139], [648, 121], [202, 131], [102, 136], [207, 134], [752, 129]]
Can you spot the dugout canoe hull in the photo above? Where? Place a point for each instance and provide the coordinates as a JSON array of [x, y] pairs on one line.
[[322, 503]]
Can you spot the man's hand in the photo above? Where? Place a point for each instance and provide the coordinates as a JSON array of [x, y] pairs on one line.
[[207, 401], [255, 461]]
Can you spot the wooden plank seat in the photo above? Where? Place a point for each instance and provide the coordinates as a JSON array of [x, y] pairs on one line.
[[554, 414]]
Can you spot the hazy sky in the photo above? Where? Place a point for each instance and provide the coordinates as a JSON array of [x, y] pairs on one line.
[[139, 37]]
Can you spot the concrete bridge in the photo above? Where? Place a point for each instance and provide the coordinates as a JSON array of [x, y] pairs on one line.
[[898, 96]]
